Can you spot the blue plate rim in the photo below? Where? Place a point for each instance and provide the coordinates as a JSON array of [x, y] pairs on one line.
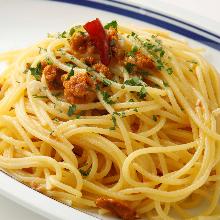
[[189, 30]]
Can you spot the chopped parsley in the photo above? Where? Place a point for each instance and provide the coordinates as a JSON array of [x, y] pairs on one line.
[[154, 117], [69, 64], [162, 52], [135, 109], [51, 133], [39, 96], [131, 100], [90, 69], [85, 172], [123, 86], [143, 92], [106, 98], [97, 87], [156, 85], [106, 82], [129, 67], [165, 84], [71, 32], [57, 94], [159, 64], [71, 110], [114, 122], [71, 73], [121, 114], [37, 71], [56, 120], [49, 62], [41, 49], [116, 113], [133, 34], [192, 61], [143, 72], [169, 71], [113, 24], [133, 51], [135, 81], [62, 35]]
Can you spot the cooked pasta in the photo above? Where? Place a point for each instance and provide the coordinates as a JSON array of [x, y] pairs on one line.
[[118, 120]]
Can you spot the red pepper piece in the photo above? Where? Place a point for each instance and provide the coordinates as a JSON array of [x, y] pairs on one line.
[[98, 36]]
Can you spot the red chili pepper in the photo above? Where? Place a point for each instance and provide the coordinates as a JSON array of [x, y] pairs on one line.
[[98, 36]]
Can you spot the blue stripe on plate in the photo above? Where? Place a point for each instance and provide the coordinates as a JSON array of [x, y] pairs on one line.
[[166, 16], [146, 18]]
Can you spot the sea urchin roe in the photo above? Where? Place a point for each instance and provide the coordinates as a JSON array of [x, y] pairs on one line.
[[119, 208], [135, 125], [138, 62], [101, 68], [53, 77], [81, 43], [80, 88], [89, 60], [116, 51], [143, 61]]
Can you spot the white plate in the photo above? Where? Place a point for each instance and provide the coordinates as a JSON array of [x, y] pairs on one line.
[[24, 22]]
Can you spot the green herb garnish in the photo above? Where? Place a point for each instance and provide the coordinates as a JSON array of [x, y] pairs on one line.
[[106, 98], [129, 67], [114, 122], [154, 117], [71, 32], [169, 71], [123, 114], [133, 34], [56, 120], [131, 100], [113, 24], [192, 61], [49, 62], [63, 34], [165, 84], [97, 87], [142, 93], [106, 82], [133, 51], [39, 96], [37, 71], [144, 72], [135, 81], [71, 73], [159, 64], [85, 172], [71, 110]]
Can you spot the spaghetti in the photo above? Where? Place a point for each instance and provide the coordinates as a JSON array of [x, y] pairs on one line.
[[122, 120]]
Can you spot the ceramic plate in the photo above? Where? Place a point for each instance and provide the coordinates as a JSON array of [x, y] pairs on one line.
[[24, 22]]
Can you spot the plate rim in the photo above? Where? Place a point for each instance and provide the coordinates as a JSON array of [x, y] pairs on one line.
[[152, 16], [6, 188]]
